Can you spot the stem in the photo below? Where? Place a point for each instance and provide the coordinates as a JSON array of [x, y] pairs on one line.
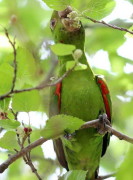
[[21, 153], [14, 61], [107, 24], [39, 87]]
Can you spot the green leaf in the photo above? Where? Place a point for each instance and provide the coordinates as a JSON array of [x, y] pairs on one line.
[[26, 68], [70, 64], [27, 101], [14, 170], [74, 175], [79, 66], [98, 41], [126, 169], [4, 104], [6, 77], [96, 9], [56, 125], [33, 22], [9, 124], [57, 4], [8, 141], [62, 49]]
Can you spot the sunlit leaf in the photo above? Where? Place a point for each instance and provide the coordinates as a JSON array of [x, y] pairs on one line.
[[4, 104], [9, 124], [9, 141], [57, 5], [6, 77], [56, 125], [96, 9], [95, 39], [26, 68], [27, 101], [79, 66], [62, 49]]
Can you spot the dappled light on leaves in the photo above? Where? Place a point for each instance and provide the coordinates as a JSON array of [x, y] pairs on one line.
[[24, 89]]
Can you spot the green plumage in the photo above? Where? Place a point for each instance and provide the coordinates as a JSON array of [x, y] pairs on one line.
[[80, 97]]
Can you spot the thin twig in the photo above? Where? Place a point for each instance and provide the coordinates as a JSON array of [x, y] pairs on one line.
[[118, 134], [13, 43], [107, 24], [34, 170], [21, 153], [29, 162], [14, 113], [39, 87], [26, 157]]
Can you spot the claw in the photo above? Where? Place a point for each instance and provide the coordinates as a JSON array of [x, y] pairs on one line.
[[103, 119], [69, 136]]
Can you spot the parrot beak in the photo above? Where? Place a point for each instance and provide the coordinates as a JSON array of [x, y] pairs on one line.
[[59, 15], [64, 13], [70, 19]]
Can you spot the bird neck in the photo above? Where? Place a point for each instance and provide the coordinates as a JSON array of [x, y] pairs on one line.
[[63, 60]]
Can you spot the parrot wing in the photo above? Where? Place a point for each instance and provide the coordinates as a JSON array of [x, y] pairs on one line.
[[55, 104], [108, 107]]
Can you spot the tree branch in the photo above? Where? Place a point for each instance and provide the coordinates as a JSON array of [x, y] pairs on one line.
[[94, 123], [39, 87], [107, 24], [21, 153], [118, 134], [97, 124]]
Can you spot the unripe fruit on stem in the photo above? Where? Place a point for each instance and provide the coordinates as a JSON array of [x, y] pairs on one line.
[[77, 54]]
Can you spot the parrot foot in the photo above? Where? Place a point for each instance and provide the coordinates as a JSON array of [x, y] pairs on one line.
[[103, 120], [69, 136]]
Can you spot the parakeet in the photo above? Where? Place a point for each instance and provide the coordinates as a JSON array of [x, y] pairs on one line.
[[81, 94]]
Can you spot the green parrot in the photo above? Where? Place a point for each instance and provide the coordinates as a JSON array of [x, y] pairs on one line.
[[81, 94]]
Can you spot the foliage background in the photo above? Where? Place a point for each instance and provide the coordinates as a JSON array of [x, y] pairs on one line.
[[109, 52]]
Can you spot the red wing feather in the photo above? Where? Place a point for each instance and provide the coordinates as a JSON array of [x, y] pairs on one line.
[[105, 92], [107, 103], [58, 93]]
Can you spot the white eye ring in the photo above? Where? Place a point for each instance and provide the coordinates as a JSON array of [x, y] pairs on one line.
[[53, 23]]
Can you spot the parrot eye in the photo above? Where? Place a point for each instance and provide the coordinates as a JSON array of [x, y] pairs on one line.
[[53, 23]]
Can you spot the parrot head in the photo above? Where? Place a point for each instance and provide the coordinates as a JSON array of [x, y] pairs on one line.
[[67, 28]]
